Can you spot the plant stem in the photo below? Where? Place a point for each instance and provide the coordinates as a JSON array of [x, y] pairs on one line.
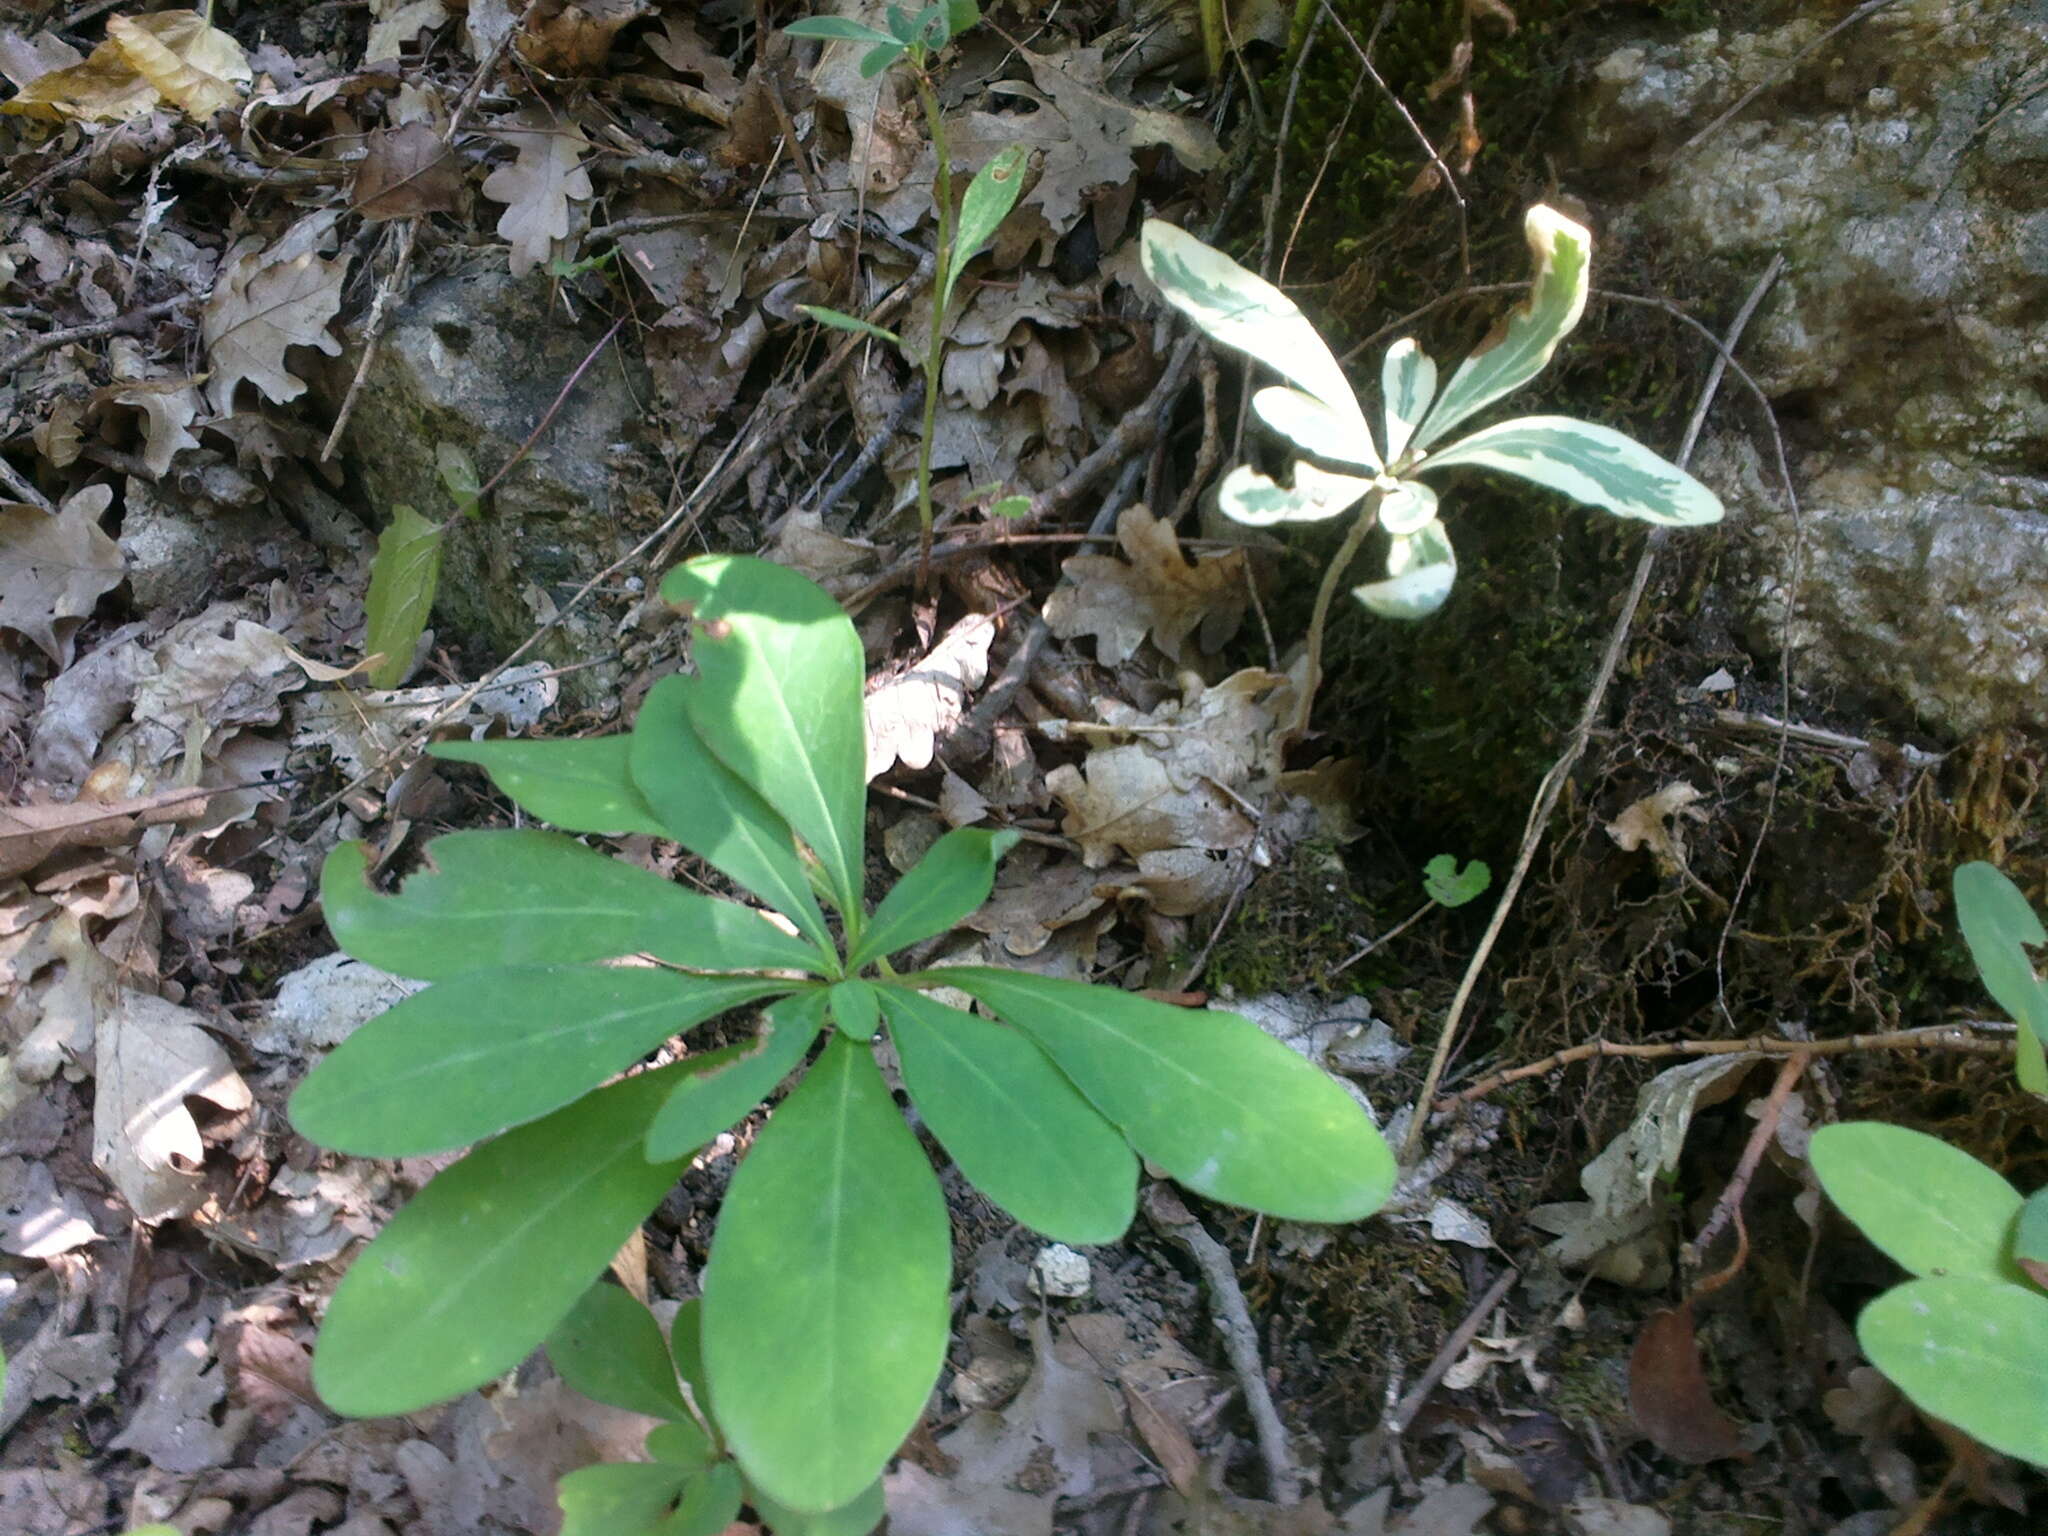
[[942, 195], [1361, 525]]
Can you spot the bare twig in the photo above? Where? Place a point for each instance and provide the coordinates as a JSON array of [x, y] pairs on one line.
[[373, 332], [1560, 771], [1402, 1414], [49, 341], [1817, 736], [1730, 1203], [19, 488], [1940, 1037], [485, 68], [1240, 1335]]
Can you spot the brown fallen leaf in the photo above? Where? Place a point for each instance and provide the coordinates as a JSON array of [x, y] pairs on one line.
[[29, 834], [55, 567], [408, 171], [267, 300], [1166, 1439], [1158, 592], [1668, 1394], [149, 1057], [1656, 822], [169, 58], [574, 37], [539, 187]]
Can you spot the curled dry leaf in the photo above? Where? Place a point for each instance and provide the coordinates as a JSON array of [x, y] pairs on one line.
[[29, 834], [150, 1056], [1668, 1394], [55, 567], [1655, 822], [171, 58], [539, 186], [395, 23], [907, 715], [1158, 592]]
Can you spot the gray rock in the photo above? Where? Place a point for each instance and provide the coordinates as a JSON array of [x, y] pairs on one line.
[[476, 359], [1897, 168]]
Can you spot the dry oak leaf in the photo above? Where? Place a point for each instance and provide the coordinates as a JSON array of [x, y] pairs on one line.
[[170, 58], [1157, 592], [267, 301], [394, 23], [29, 834], [908, 714], [1657, 822], [150, 1056], [54, 567], [539, 186], [408, 171]]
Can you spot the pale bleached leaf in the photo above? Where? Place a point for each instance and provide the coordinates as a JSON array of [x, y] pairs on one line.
[[541, 187]]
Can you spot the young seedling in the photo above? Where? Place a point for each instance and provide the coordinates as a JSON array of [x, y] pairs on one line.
[[556, 969], [1967, 1340], [914, 41], [1318, 411]]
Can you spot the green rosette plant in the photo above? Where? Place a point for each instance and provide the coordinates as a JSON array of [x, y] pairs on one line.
[[556, 971]]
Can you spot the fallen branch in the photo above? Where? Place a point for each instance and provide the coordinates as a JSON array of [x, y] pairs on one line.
[[1939, 1037]]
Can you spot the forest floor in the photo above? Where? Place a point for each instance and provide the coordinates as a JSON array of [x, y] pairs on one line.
[[535, 267]]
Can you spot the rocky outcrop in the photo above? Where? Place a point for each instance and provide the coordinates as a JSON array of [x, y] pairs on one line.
[[1901, 167]]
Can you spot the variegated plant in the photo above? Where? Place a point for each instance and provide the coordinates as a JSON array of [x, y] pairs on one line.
[[1323, 417]]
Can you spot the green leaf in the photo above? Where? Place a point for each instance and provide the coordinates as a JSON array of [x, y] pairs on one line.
[[2030, 1241], [779, 702], [730, 1082], [1521, 345], [901, 26], [403, 576], [458, 474], [988, 201], [1930, 1206], [1421, 566], [1997, 924], [1314, 427], [1021, 1133], [961, 16], [579, 786], [879, 58], [1970, 1351], [839, 320], [825, 1300], [686, 1348], [463, 1282], [1222, 1107], [1594, 465], [855, 1519], [946, 886], [1252, 498], [643, 1498], [835, 29], [1242, 310], [610, 1349], [1010, 506], [705, 807], [463, 1060], [1449, 886], [856, 1011], [504, 898], [1407, 385]]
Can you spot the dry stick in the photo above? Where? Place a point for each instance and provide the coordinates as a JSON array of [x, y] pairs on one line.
[[1816, 736], [20, 489], [1240, 1336], [1396, 1422], [1730, 1203], [484, 70], [1553, 782], [1938, 1037], [373, 332], [1308, 41], [50, 341]]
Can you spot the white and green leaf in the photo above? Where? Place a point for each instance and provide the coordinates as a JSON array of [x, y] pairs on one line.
[[1407, 507], [1421, 568], [1243, 311], [1407, 385], [1524, 342], [1591, 464], [1246, 496], [1314, 427]]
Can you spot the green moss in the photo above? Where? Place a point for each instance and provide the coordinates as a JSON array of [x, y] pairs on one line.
[[1295, 926]]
